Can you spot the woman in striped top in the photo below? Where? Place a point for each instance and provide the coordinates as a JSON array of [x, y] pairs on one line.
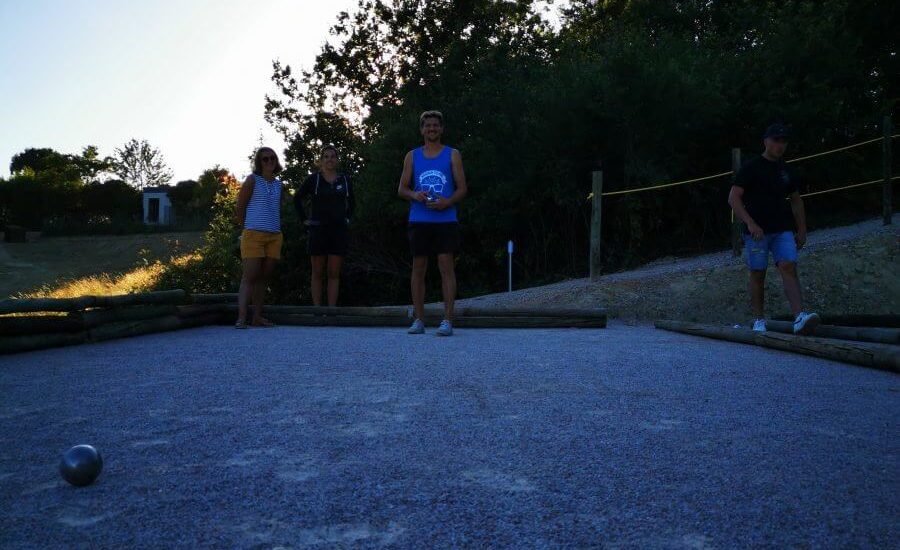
[[259, 213]]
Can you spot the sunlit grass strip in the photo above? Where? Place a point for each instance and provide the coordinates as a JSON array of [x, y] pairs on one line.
[[140, 279]]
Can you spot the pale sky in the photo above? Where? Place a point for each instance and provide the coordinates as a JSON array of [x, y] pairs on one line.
[[189, 76]]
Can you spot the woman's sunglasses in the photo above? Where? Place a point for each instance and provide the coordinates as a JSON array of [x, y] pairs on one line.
[[267, 159]]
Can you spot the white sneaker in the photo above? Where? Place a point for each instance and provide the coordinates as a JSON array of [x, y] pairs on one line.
[[446, 329], [759, 325], [806, 323], [418, 327]]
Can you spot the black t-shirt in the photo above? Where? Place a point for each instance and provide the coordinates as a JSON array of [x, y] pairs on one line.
[[332, 202], [766, 184]]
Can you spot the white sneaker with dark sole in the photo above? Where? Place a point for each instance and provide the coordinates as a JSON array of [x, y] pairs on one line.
[[418, 327], [446, 329], [806, 323]]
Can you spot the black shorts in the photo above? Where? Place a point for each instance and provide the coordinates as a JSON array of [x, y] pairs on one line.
[[431, 239], [328, 240]]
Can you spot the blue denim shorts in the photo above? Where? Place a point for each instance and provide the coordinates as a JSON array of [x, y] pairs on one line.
[[781, 245]]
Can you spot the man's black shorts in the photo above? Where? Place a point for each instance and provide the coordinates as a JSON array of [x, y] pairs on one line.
[[431, 239], [328, 240]]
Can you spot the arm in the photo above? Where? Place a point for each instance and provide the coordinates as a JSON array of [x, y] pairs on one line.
[[404, 190], [736, 200], [799, 218], [459, 179], [243, 200]]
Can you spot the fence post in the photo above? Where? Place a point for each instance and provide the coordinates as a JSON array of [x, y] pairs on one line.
[[887, 209], [596, 216], [735, 222]]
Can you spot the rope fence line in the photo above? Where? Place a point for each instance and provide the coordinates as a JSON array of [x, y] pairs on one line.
[[860, 144], [879, 180], [628, 191], [731, 172]]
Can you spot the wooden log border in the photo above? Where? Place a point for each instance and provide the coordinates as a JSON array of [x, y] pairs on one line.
[[859, 334], [877, 320], [30, 305], [99, 318], [877, 356]]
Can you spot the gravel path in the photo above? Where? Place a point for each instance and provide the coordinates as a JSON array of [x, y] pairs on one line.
[[817, 240], [317, 437]]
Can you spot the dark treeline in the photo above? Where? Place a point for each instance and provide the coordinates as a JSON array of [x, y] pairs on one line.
[[653, 91], [86, 193], [650, 90]]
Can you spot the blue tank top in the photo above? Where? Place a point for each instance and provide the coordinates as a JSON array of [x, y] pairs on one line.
[[264, 208], [432, 176]]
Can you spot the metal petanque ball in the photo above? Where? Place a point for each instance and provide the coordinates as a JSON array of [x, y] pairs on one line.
[[81, 465]]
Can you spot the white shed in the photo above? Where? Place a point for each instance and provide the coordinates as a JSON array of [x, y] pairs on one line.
[[157, 206]]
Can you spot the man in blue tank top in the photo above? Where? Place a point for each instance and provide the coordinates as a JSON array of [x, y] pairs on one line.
[[433, 181]]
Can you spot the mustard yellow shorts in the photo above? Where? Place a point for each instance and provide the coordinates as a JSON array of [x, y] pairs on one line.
[[260, 244]]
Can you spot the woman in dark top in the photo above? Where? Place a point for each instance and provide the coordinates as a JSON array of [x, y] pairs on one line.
[[331, 207]]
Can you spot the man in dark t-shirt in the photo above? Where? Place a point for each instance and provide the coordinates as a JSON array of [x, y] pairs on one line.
[[766, 197]]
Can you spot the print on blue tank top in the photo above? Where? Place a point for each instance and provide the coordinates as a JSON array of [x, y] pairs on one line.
[[432, 176]]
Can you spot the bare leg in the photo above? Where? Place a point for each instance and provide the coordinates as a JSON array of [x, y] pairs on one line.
[[757, 293], [417, 285], [259, 290], [315, 285], [448, 283], [791, 282], [251, 270], [334, 279]]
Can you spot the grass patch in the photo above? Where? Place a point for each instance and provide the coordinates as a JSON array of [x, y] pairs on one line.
[[61, 267], [140, 279]]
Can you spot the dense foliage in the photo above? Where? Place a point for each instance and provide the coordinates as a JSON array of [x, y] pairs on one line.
[[652, 91]]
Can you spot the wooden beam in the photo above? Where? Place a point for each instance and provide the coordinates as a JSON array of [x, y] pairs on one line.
[[201, 320], [97, 317], [28, 305], [462, 322], [887, 210], [193, 310], [886, 320], [737, 241], [878, 356], [40, 324], [860, 334], [309, 320], [390, 311], [431, 312], [595, 267], [177, 296], [543, 312], [225, 298], [17, 344], [126, 329], [526, 322]]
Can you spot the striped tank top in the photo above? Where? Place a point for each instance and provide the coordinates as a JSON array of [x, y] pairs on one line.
[[264, 208]]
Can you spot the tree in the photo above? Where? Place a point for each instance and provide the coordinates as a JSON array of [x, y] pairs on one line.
[[66, 168], [56, 166], [210, 183], [91, 164], [141, 165], [659, 90]]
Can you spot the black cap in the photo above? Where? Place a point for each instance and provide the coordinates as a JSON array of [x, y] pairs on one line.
[[777, 131]]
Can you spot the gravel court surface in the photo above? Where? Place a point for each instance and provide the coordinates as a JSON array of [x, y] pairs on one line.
[[296, 437]]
